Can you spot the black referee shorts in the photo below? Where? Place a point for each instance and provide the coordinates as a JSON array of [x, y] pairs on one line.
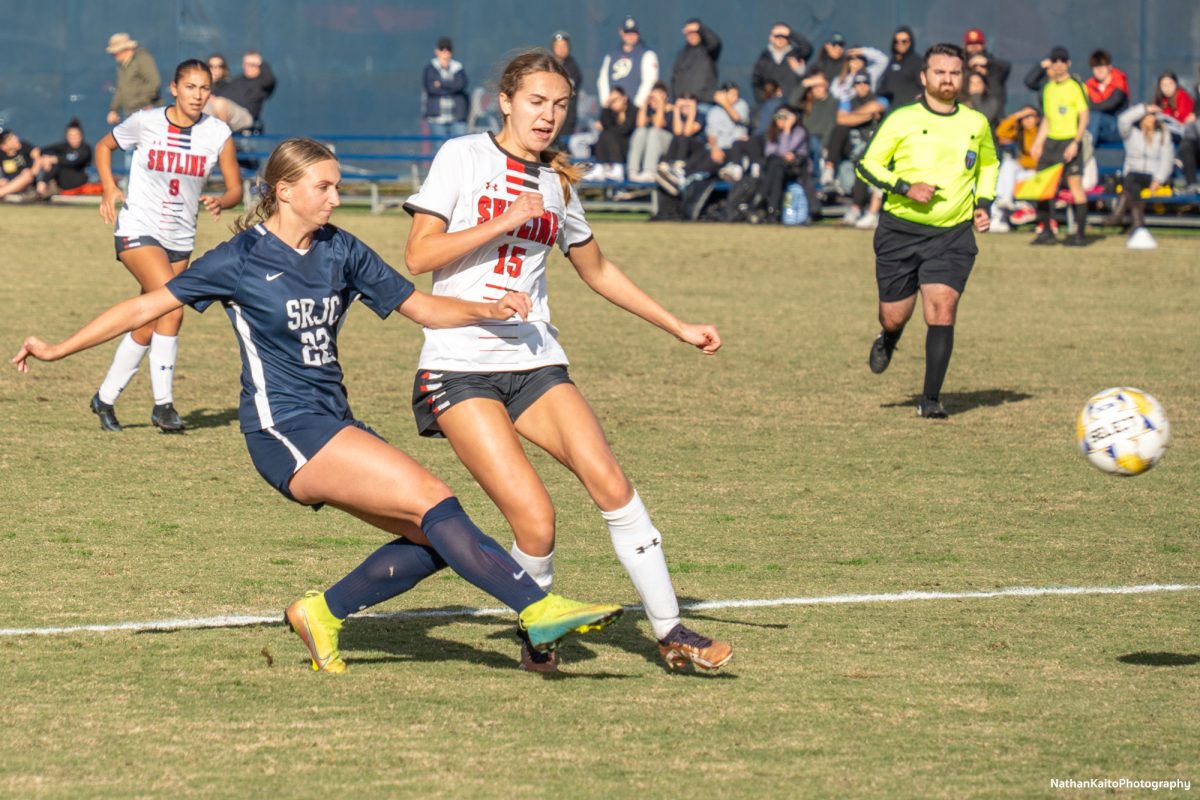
[[907, 259], [1053, 152]]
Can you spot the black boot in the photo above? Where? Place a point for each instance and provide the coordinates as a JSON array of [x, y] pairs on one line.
[[1116, 217]]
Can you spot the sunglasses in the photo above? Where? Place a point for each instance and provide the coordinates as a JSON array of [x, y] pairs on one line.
[[779, 36], [905, 40], [1059, 60]]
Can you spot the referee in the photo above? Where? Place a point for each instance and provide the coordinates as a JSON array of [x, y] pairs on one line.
[[937, 162]]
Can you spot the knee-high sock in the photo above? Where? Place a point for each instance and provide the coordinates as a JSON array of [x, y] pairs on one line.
[[939, 344], [124, 366], [391, 570], [540, 568], [1043, 211], [639, 549], [476, 557], [1081, 217], [163, 350]]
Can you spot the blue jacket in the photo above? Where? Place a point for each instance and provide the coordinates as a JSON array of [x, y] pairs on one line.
[[449, 85]]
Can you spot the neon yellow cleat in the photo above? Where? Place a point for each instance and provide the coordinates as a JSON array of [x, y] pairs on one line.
[[311, 620], [553, 617]]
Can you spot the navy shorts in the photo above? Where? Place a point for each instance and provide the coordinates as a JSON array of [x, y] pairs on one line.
[[280, 451], [434, 391], [906, 259], [132, 242]]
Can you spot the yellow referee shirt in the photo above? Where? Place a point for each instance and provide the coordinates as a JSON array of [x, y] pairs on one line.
[[955, 152], [1062, 104]]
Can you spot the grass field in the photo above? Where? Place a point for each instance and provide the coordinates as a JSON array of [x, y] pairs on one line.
[[781, 468]]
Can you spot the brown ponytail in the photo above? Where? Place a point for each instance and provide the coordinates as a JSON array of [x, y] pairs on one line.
[[288, 162]]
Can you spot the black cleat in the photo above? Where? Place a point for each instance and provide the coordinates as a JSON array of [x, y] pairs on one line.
[[166, 418], [107, 415], [534, 660], [881, 354], [1076, 240], [1045, 237], [930, 409]]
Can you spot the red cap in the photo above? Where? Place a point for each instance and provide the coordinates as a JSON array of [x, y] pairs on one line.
[[974, 36]]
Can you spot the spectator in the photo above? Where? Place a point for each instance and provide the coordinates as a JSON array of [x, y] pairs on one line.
[[616, 125], [725, 133], [138, 82], [975, 44], [560, 45], [63, 166], [1177, 105], [1016, 132], [235, 116], [651, 137], [858, 60], [786, 160], [695, 68], [980, 99], [445, 91], [832, 57], [1149, 161], [820, 120], [632, 66], [17, 160], [857, 119], [901, 81], [252, 88], [764, 111], [783, 60], [1108, 96], [687, 140]]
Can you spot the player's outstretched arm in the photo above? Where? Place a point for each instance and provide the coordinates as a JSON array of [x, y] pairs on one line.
[[430, 247], [437, 311], [125, 316], [607, 280]]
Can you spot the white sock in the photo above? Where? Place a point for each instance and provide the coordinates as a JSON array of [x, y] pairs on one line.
[[639, 549], [124, 366], [540, 568], [163, 350]]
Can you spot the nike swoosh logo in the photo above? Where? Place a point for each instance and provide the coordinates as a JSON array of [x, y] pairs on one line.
[[273, 277], [518, 575]]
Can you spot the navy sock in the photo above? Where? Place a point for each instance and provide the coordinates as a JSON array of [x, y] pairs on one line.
[[474, 556], [392, 569], [939, 343]]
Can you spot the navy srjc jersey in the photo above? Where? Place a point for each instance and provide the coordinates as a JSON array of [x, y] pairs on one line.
[[287, 308]]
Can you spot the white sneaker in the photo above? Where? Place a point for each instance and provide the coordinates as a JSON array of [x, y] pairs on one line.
[[852, 215], [999, 226], [730, 173], [596, 174], [1141, 239], [616, 173], [869, 221]]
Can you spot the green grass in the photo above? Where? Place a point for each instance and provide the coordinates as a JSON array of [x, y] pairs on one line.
[[779, 468]]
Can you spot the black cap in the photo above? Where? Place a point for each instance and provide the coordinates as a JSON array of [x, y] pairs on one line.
[[560, 36], [727, 85], [836, 38], [862, 76], [629, 25], [444, 43], [1059, 53]]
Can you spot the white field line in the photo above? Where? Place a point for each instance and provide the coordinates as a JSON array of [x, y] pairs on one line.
[[708, 605]]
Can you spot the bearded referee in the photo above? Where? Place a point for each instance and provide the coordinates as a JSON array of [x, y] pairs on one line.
[[937, 162]]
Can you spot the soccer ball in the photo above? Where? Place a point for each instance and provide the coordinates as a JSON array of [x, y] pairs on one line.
[[1123, 431]]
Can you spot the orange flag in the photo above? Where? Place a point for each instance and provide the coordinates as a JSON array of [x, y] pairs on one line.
[[1042, 186]]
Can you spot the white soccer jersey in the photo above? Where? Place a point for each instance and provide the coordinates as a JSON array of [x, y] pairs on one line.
[[471, 181], [169, 171]]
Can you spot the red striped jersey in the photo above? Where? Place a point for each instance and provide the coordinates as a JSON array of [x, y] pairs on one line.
[[170, 167], [471, 181]]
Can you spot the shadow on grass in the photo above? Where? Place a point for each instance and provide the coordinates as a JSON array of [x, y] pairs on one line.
[[208, 418], [1160, 659], [959, 402]]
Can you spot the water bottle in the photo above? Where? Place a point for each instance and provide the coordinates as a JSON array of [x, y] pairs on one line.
[[795, 205]]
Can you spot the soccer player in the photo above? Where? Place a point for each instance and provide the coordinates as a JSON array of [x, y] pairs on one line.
[[177, 148], [1059, 140], [286, 284], [936, 160], [484, 223]]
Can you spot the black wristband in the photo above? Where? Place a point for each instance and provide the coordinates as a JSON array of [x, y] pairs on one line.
[[902, 186]]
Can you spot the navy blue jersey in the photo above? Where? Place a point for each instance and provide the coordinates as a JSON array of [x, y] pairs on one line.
[[287, 309]]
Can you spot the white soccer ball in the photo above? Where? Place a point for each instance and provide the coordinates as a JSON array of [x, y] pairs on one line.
[[1123, 431]]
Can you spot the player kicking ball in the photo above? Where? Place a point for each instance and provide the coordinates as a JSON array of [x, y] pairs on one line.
[[936, 161]]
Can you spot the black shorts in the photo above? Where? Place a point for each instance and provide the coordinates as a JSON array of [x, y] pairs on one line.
[[1052, 153], [124, 243], [906, 258], [280, 451], [434, 391]]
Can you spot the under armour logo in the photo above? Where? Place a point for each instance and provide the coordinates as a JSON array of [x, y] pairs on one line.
[[491, 187], [167, 366], [645, 547]]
